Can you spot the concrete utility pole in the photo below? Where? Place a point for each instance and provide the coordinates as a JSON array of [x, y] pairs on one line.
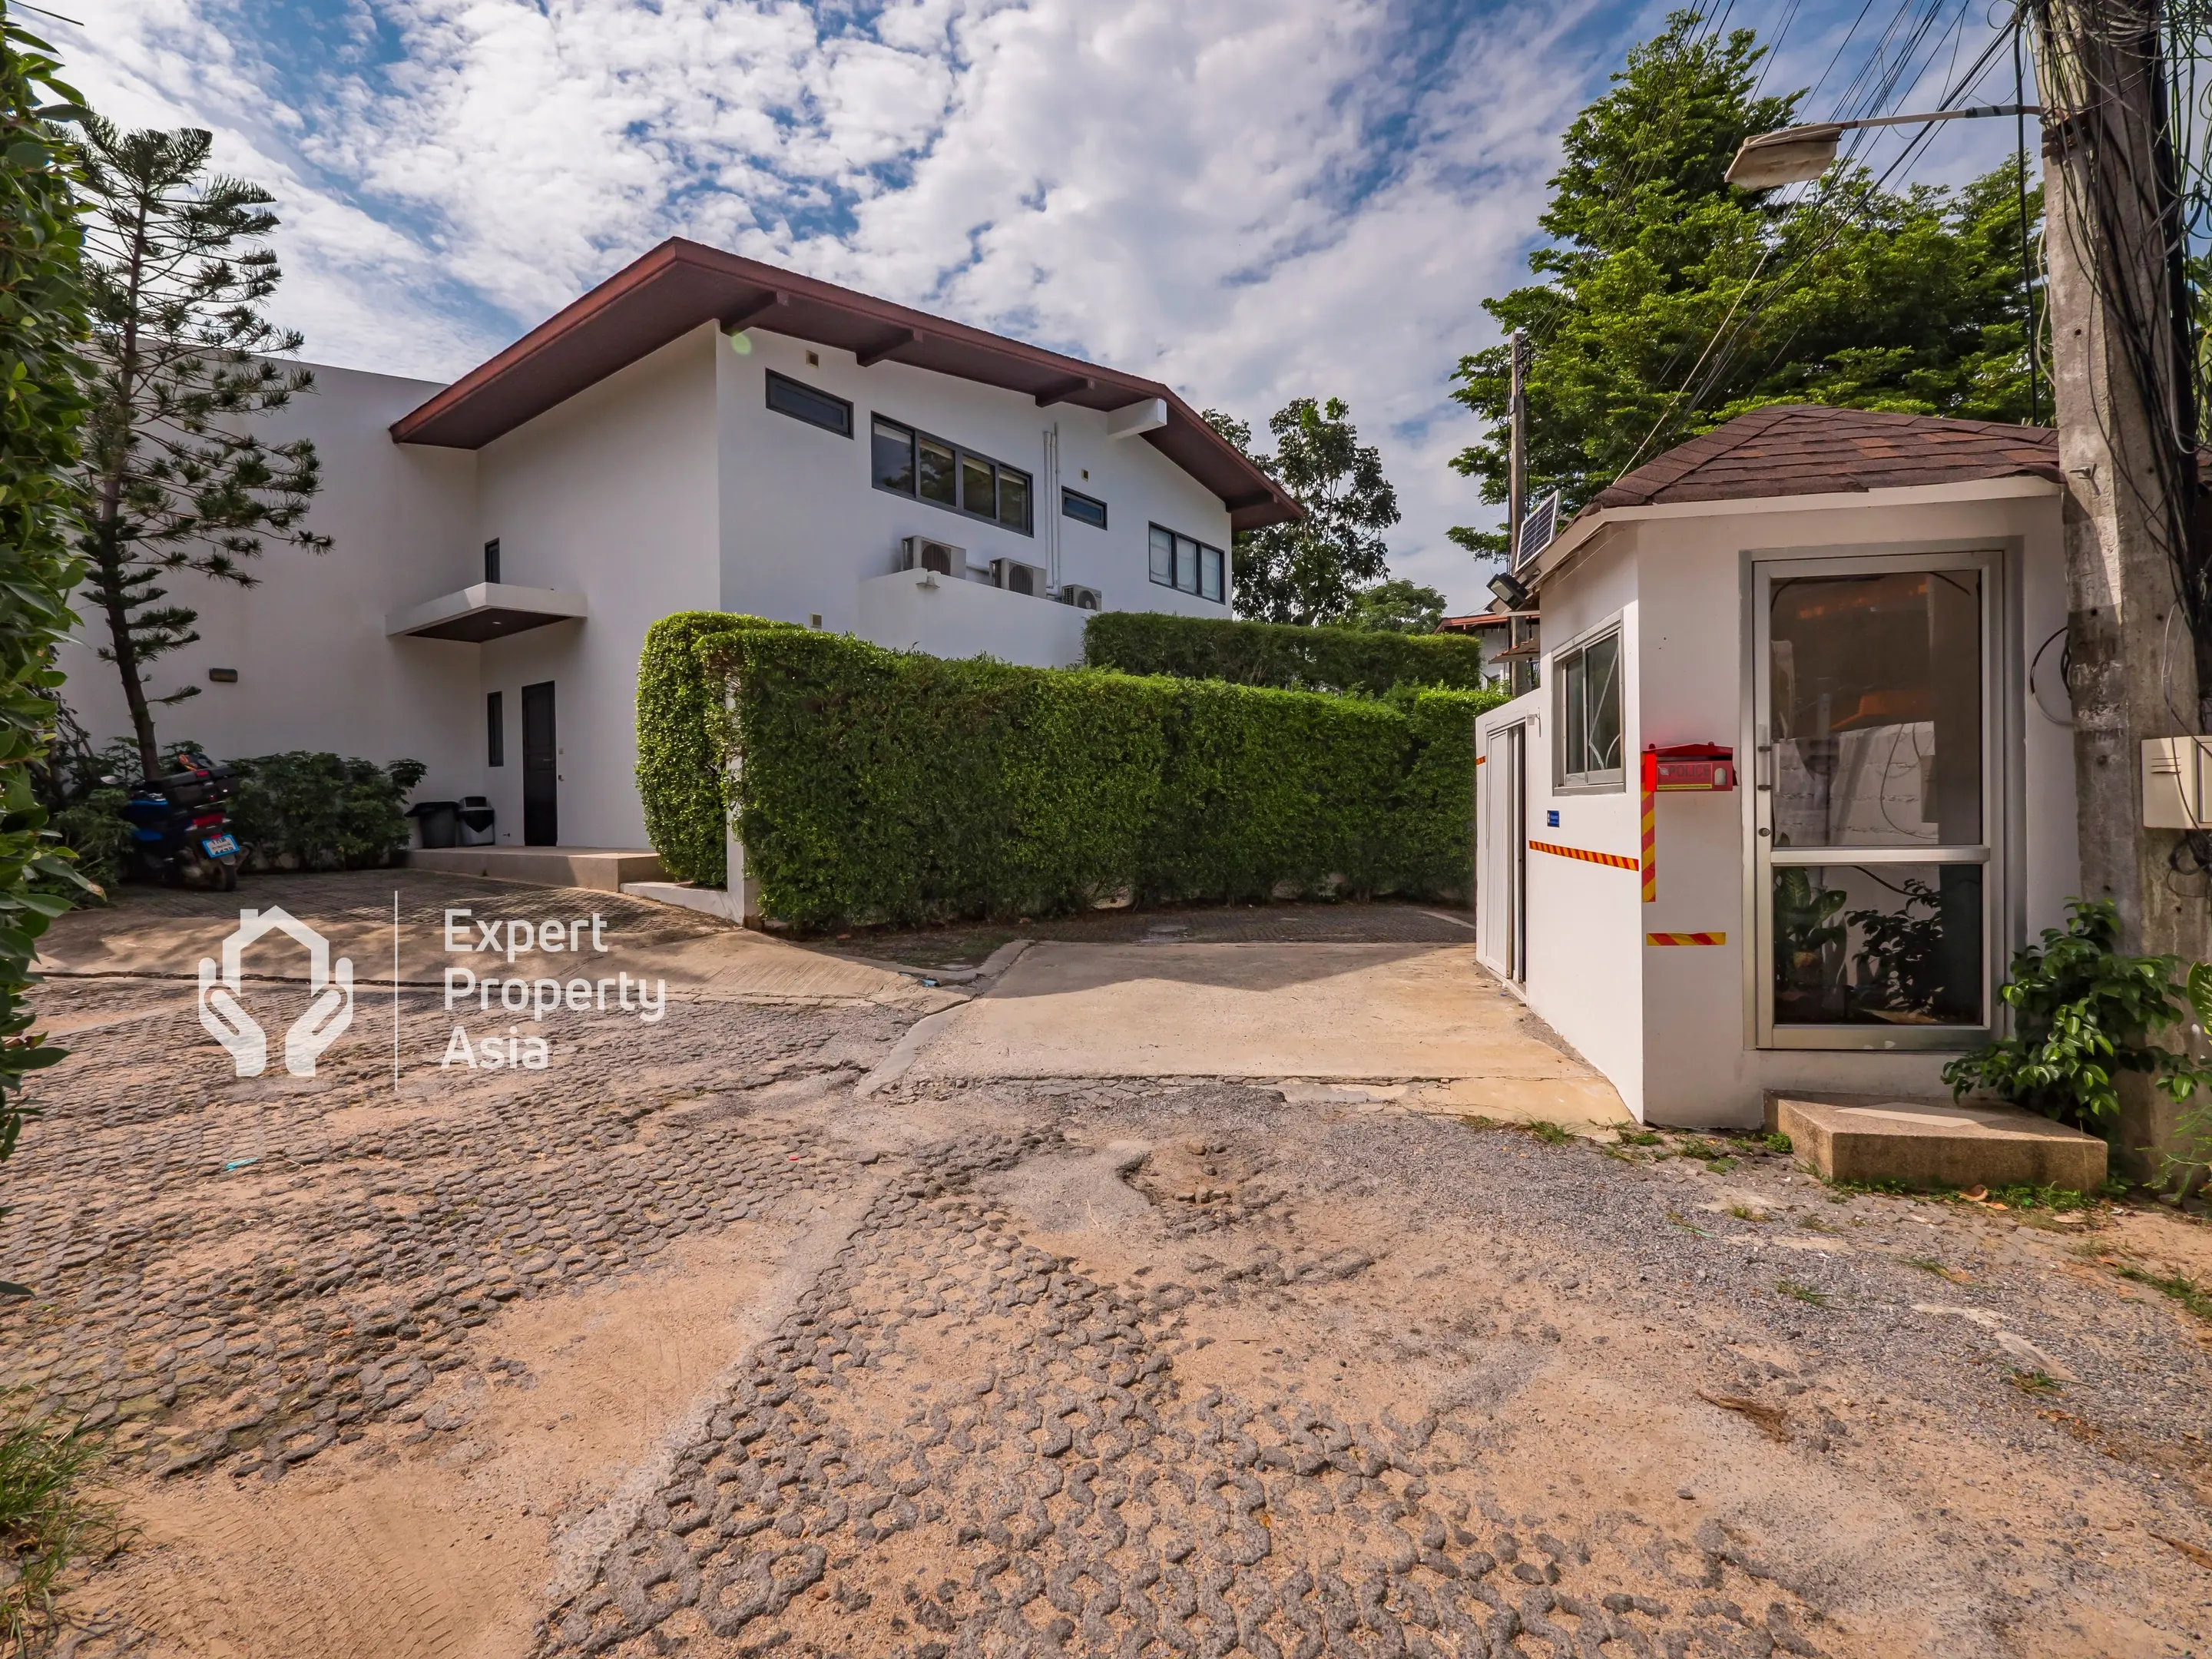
[[2128, 467]]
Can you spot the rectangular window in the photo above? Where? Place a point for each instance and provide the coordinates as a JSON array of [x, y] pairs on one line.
[[977, 493], [1014, 499], [1186, 563], [491, 560], [1588, 682], [1084, 509], [910, 462], [940, 473], [495, 724], [893, 456], [803, 403]]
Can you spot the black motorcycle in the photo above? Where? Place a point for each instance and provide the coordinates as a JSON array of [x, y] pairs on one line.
[[181, 828]]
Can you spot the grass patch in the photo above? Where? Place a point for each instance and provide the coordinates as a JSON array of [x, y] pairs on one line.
[[1777, 1143], [51, 1514], [1550, 1133], [1689, 1226], [2182, 1288], [1637, 1137], [1798, 1290], [1929, 1264], [2039, 1382]]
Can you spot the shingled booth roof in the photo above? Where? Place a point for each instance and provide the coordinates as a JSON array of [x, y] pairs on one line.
[[1810, 449], [680, 284]]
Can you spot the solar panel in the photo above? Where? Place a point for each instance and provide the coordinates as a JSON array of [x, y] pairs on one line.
[[1537, 529]]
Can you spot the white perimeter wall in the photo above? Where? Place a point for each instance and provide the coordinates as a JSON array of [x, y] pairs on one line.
[[1673, 1027], [314, 668], [612, 495], [804, 526]]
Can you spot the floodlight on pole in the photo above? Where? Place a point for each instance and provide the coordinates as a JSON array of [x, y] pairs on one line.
[[1793, 155]]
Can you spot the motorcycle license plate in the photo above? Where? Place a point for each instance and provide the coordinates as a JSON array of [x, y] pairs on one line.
[[219, 846]]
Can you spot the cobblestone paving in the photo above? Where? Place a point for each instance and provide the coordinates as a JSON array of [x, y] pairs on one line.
[[1058, 1491], [234, 1283], [993, 1418]]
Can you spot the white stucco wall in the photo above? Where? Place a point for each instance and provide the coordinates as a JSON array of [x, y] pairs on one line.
[[612, 495], [1681, 584], [314, 668], [804, 526]]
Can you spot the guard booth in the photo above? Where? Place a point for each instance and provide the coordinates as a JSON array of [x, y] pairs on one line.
[[1798, 777]]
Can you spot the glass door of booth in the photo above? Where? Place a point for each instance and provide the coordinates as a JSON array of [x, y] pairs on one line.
[[1875, 802], [1502, 901]]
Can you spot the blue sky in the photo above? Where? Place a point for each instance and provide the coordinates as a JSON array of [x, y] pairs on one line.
[[1250, 200]]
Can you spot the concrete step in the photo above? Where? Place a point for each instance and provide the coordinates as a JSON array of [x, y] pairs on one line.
[[1931, 1143], [603, 869]]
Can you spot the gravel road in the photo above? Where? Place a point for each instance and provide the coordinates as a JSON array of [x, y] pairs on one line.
[[686, 1347]]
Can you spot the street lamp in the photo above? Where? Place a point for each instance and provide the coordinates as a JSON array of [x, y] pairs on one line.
[[1794, 155]]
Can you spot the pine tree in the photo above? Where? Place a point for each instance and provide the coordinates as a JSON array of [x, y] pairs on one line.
[[175, 477]]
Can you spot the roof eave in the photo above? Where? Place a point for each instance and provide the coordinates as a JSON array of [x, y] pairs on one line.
[[614, 325]]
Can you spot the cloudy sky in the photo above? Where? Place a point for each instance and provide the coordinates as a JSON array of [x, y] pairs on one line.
[[1248, 200]]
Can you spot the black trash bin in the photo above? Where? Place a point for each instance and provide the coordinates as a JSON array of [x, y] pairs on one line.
[[477, 820], [439, 822]]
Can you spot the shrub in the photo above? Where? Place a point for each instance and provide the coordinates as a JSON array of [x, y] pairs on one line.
[[302, 810], [2083, 1013], [680, 767], [50, 1516], [1349, 661], [872, 785]]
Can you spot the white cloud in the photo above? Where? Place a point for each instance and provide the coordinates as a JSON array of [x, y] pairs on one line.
[[1252, 199]]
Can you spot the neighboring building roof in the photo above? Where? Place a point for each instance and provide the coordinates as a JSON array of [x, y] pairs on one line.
[[1493, 618], [680, 284], [1806, 449]]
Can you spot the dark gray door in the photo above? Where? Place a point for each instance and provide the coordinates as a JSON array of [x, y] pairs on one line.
[[541, 769]]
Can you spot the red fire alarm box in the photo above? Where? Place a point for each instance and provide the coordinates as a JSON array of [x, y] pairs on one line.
[[1689, 766]]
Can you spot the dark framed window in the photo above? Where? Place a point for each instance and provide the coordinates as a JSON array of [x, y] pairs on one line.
[[906, 462], [494, 723], [491, 560], [1588, 689], [1187, 564], [1084, 509], [805, 403]]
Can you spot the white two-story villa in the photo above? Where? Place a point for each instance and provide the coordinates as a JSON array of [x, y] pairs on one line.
[[699, 432]]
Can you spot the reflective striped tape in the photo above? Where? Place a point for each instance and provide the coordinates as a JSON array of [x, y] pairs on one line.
[[1685, 939], [1614, 860], [1650, 844]]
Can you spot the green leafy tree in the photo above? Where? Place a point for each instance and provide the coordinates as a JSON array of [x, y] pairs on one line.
[[42, 331], [1397, 607], [1668, 300], [1308, 571], [175, 477]]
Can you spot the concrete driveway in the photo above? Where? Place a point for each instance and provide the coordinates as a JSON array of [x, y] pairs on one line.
[[1422, 1025]]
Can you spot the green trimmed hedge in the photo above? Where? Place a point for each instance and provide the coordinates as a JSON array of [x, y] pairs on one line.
[[1355, 662], [881, 785], [679, 763]]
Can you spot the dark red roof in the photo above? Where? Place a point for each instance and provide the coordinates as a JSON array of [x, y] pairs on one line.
[[1809, 449], [680, 284]]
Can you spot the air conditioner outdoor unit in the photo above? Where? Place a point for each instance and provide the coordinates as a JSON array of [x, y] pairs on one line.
[[1082, 599], [1018, 578], [927, 553]]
